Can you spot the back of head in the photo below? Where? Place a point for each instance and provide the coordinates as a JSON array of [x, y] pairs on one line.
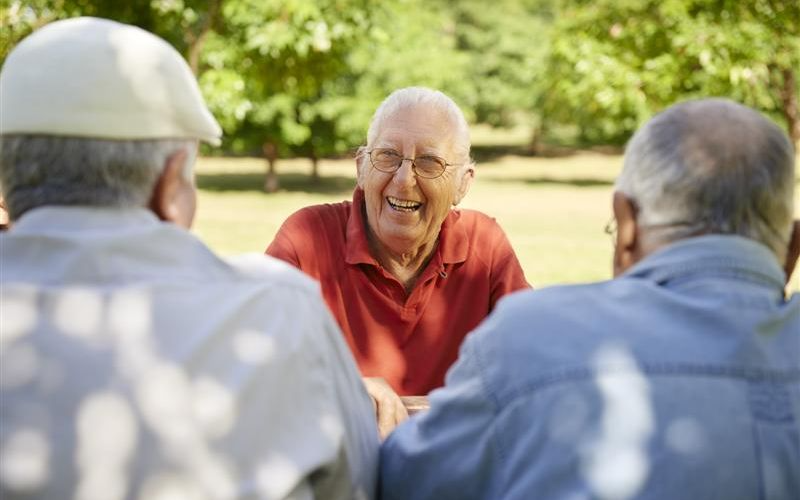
[[91, 110], [411, 97], [711, 166]]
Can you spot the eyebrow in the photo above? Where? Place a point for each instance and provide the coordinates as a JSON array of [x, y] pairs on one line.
[[425, 148]]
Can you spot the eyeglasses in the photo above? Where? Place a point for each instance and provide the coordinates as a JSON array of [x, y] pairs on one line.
[[425, 166], [611, 229]]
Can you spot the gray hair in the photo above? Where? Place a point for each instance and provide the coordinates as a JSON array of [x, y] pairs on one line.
[[39, 170], [433, 99], [711, 166]]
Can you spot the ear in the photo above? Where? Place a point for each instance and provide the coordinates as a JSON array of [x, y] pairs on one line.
[[5, 220], [627, 250], [464, 185], [361, 166], [174, 198], [793, 252]]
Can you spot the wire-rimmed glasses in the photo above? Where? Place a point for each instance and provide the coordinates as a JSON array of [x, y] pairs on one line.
[[425, 166]]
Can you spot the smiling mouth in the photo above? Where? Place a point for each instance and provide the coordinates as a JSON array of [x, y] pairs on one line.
[[403, 205]]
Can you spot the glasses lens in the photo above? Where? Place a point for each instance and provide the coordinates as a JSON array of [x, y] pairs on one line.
[[385, 160], [429, 166], [611, 229]]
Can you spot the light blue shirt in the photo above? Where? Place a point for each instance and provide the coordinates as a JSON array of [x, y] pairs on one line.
[[678, 380]]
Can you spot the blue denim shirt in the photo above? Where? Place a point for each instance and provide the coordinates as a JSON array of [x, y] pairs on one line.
[[678, 380]]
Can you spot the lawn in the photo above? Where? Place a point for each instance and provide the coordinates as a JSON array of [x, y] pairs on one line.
[[553, 209]]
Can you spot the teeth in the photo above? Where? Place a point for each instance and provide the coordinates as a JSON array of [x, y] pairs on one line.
[[405, 205]]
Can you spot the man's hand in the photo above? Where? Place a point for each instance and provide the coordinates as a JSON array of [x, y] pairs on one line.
[[389, 409]]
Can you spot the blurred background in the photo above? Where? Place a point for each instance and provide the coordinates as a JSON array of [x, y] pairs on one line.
[[553, 88]]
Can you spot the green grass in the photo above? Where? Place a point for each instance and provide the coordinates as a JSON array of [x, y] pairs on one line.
[[553, 209]]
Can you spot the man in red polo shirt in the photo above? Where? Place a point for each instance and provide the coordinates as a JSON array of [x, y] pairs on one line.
[[405, 274]]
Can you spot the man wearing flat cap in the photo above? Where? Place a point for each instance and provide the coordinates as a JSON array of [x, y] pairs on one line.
[[134, 363]]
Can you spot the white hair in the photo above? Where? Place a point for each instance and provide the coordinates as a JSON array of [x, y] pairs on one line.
[[432, 99], [39, 170], [712, 166]]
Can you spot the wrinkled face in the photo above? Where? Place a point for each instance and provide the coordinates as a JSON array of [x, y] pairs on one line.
[[405, 212]]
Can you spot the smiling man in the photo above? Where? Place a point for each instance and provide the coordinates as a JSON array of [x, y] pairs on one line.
[[405, 274]]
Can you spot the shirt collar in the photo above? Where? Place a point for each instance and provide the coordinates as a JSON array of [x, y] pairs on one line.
[[453, 240], [69, 219], [711, 254]]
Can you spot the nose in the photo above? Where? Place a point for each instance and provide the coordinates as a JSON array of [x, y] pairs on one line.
[[404, 175]]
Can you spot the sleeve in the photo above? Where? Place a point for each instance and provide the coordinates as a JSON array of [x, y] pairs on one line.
[[352, 405], [450, 451], [506, 274], [305, 419], [284, 245]]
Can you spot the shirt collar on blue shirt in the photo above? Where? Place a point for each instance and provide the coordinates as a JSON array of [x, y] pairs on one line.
[[716, 254]]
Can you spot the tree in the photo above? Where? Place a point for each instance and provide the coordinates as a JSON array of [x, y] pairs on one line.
[[185, 23], [410, 42], [263, 66], [266, 73], [506, 46], [616, 62]]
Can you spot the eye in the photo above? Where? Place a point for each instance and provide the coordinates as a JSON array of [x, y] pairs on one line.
[[386, 155], [432, 164]]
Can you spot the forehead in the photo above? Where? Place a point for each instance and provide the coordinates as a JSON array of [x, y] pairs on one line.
[[422, 125]]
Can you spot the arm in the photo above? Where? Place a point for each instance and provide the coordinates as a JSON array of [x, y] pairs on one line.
[[387, 405], [352, 406], [448, 452], [282, 246]]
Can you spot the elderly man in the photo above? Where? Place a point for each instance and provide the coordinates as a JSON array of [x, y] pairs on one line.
[[135, 363], [678, 379], [405, 274]]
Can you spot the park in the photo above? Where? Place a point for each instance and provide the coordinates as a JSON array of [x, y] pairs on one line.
[[553, 209], [553, 90], [411, 168]]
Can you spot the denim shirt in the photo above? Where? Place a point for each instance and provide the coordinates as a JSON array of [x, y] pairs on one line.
[[678, 380]]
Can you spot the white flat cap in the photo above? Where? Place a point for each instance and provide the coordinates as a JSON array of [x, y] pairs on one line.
[[90, 77]]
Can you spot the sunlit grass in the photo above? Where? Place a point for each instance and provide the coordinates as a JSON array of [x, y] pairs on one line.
[[553, 209]]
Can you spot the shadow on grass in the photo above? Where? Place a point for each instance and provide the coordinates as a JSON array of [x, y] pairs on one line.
[[292, 182], [489, 153], [576, 182], [486, 154]]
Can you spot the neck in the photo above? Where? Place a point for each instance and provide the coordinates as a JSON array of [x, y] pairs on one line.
[[404, 264]]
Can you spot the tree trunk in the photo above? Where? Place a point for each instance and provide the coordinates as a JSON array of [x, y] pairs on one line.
[[536, 147], [314, 167], [270, 151], [195, 41], [789, 104]]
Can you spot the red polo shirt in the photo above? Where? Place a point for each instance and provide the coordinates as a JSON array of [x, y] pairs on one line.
[[409, 339]]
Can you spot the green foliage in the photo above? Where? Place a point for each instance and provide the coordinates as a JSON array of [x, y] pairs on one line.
[[616, 62], [267, 71], [411, 44], [175, 20], [506, 46], [303, 77], [18, 19]]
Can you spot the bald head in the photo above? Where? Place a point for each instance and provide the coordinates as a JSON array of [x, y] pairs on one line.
[[435, 102], [711, 166]]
